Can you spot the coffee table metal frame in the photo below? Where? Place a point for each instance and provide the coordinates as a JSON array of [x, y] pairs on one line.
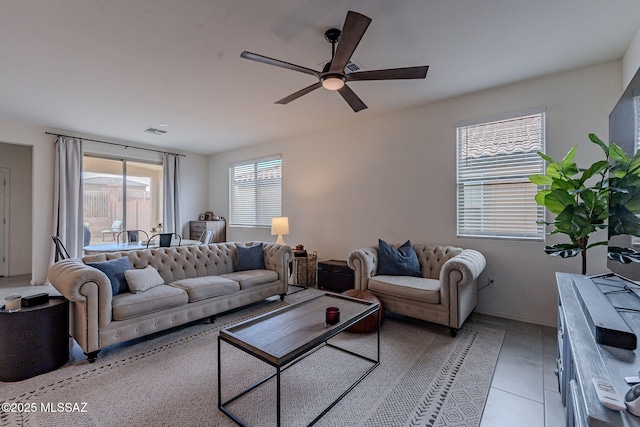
[[305, 336]]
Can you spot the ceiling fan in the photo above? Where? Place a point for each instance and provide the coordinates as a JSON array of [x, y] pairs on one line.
[[333, 76]]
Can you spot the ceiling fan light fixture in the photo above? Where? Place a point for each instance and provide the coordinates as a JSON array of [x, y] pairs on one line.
[[333, 81]]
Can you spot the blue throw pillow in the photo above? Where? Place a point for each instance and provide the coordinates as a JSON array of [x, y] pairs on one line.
[[250, 258], [114, 269], [398, 262]]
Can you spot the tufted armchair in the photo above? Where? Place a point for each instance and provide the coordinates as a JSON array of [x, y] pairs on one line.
[[194, 282], [446, 294]]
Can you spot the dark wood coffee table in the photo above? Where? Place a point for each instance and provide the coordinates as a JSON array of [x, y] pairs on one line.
[[286, 336]]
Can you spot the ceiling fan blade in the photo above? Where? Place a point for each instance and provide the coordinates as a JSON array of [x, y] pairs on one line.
[[390, 74], [299, 93], [278, 63], [352, 31], [351, 98]]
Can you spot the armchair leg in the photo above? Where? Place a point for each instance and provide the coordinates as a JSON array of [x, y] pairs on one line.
[[282, 297], [453, 332], [92, 356]]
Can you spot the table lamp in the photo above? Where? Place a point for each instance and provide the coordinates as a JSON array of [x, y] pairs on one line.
[[280, 227]]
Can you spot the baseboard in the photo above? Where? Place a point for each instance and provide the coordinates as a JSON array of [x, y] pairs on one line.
[[518, 318]]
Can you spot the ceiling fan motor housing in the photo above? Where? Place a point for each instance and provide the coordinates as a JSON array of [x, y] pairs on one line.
[[332, 35]]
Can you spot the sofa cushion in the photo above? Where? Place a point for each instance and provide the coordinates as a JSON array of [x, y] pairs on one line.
[[415, 288], [250, 258], [252, 278], [200, 288], [114, 269], [398, 262], [142, 279], [128, 305]]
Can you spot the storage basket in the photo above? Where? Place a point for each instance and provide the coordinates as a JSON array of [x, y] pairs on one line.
[[306, 268]]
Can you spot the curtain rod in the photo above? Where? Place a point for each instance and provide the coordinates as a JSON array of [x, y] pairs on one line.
[[115, 143]]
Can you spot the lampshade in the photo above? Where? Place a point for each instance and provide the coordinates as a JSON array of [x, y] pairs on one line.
[[333, 81], [280, 227]]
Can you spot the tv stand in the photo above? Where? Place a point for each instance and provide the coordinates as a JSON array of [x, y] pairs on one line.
[[581, 358]]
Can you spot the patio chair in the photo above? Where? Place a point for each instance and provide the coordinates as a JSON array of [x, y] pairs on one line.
[[116, 227], [86, 235]]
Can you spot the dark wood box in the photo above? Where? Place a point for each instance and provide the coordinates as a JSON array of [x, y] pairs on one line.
[[335, 275]]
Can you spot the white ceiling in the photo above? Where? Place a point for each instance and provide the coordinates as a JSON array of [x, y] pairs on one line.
[[111, 68]]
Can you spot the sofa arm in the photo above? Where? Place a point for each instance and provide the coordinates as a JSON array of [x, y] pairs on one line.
[[458, 286], [469, 264], [364, 262], [277, 258], [90, 292]]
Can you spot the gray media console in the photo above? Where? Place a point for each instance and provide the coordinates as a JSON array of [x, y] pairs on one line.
[[581, 358]]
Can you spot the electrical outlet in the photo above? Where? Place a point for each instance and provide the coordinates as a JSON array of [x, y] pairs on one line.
[[491, 282]]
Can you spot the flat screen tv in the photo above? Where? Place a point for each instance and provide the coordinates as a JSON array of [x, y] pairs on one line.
[[623, 255]]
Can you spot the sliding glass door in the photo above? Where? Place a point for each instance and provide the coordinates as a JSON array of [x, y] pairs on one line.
[[119, 195]]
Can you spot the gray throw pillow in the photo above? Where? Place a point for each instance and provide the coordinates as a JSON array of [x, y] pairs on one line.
[[250, 258], [142, 279], [114, 269], [398, 262]]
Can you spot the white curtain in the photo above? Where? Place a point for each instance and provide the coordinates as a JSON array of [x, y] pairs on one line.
[[67, 196], [171, 193]]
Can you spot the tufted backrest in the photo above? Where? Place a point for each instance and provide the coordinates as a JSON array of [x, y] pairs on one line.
[[273, 256], [433, 257], [183, 262]]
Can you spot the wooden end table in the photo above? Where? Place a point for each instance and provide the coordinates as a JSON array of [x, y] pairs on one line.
[[34, 340]]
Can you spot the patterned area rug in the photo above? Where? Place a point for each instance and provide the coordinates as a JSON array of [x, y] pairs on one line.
[[425, 378]]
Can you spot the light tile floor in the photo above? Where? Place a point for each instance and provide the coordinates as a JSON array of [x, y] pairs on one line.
[[21, 285], [524, 390]]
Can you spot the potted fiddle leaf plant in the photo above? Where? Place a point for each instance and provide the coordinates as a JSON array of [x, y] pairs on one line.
[[624, 205], [578, 197]]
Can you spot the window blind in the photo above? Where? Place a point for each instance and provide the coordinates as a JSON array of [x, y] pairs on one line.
[[255, 192], [494, 161]]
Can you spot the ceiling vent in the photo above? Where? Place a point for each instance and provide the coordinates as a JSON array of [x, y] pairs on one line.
[[352, 66], [155, 131]]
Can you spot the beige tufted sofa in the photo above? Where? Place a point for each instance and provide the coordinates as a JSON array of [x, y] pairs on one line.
[[200, 282], [446, 294]]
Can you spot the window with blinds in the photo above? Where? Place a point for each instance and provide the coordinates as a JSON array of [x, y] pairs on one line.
[[255, 192], [494, 160]]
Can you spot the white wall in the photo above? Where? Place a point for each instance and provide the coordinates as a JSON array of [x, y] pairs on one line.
[[394, 177], [631, 60], [194, 183], [17, 160], [194, 188]]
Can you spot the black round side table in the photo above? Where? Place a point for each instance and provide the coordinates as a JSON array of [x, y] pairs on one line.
[[34, 340]]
